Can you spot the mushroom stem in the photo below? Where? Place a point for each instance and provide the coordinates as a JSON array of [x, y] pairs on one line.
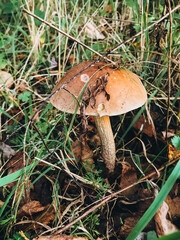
[[103, 125]]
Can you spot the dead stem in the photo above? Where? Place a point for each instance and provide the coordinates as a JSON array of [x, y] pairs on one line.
[[169, 69]]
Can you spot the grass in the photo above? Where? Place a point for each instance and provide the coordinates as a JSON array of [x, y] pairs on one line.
[[27, 48]]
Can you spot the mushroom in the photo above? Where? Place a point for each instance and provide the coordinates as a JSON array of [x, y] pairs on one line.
[[109, 92]]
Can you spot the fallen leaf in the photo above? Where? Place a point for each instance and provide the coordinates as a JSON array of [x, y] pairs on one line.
[[128, 177], [34, 211], [174, 206], [47, 216], [60, 237], [92, 31], [8, 152], [130, 223], [77, 148], [30, 208], [6, 80], [87, 156], [143, 125], [163, 225], [83, 152], [173, 153]]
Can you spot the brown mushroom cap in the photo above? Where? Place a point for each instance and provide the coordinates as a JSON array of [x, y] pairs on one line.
[[126, 92]]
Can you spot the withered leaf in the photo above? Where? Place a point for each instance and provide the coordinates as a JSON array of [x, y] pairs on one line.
[[173, 153], [163, 225], [6, 80], [128, 177], [143, 125], [60, 237], [30, 208]]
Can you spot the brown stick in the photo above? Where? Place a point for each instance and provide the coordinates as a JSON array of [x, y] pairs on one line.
[[169, 70]]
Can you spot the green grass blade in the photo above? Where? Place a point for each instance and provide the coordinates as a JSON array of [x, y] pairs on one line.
[[13, 176], [172, 236], [156, 203]]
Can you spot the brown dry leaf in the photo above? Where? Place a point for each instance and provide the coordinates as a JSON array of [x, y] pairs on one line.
[[87, 156], [173, 153], [130, 223], [128, 177], [143, 125], [30, 208], [174, 206], [46, 216], [60, 237], [77, 148], [41, 215], [163, 225], [92, 31], [83, 152], [6, 80]]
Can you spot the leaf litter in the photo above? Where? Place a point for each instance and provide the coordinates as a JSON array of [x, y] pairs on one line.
[[118, 216]]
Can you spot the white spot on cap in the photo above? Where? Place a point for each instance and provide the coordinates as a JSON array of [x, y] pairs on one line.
[[100, 107], [84, 78]]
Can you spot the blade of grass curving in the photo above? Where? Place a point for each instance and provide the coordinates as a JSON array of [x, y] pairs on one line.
[[13, 176], [7, 200], [172, 236], [156, 203]]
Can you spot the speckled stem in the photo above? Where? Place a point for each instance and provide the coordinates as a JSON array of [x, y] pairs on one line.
[[103, 125]]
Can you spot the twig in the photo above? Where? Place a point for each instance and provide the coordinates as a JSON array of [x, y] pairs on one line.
[[139, 33], [169, 69], [67, 35]]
